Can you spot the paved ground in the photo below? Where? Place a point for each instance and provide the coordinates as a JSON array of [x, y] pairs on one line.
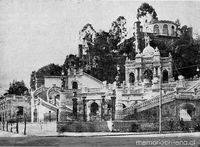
[[103, 139]]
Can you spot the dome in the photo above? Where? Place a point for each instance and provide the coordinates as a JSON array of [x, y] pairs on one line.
[[148, 51]]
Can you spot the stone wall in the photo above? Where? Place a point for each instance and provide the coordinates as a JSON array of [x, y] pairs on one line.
[[75, 126]]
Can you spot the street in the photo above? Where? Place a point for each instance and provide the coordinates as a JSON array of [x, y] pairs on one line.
[[170, 140]]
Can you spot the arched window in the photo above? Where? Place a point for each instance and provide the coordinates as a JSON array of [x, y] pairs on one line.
[[165, 76], [94, 108], [172, 31], [156, 29], [124, 106], [131, 78], [148, 74], [187, 111], [74, 85], [20, 110], [165, 29]]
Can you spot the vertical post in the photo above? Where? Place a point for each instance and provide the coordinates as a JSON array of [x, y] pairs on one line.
[[6, 125], [57, 114], [113, 107], [74, 105], [3, 121], [11, 127], [24, 123], [102, 107], [3, 125], [17, 129], [160, 102], [84, 107], [50, 116]]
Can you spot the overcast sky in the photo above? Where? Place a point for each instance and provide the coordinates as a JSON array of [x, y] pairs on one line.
[[34, 33]]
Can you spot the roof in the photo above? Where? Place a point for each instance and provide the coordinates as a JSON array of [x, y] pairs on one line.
[[163, 21], [148, 51]]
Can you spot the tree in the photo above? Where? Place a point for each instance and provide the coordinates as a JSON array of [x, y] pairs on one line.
[[87, 35], [50, 70], [117, 32], [145, 9], [18, 88]]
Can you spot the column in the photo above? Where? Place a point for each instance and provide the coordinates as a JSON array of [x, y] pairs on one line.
[[102, 107], [136, 75], [84, 107], [113, 98], [62, 108], [154, 71], [32, 108], [140, 74], [159, 71]]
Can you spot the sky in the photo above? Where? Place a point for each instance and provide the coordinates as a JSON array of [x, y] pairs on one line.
[[34, 33]]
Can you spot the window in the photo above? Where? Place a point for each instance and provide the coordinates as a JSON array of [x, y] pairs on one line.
[[172, 31], [131, 78], [156, 29], [165, 29], [74, 85]]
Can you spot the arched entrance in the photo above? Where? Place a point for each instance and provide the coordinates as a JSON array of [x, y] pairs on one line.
[[74, 85], [187, 111], [35, 115], [165, 76], [131, 78], [148, 74], [124, 106], [94, 108]]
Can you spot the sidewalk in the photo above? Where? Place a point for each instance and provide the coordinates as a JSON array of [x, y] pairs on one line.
[[129, 134], [10, 134]]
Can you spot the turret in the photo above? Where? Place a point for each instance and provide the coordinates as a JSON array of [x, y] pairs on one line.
[[156, 55], [137, 28]]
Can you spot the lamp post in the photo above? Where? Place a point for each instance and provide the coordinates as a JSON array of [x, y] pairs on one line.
[[74, 99], [25, 123], [160, 102], [113, 99]]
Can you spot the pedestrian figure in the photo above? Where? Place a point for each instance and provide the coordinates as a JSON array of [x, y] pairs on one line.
[[171, 124], [41, 125], [182, 125]]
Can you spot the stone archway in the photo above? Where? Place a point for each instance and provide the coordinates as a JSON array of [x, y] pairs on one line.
[[165, 76], [123, 106], [187, 111], [74, 85], [94, 108], [131, 78], [148, 75]]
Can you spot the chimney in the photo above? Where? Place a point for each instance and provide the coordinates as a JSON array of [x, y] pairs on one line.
[[80, 51]]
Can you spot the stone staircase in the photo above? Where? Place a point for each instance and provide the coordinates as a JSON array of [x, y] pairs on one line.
[[191, 85]]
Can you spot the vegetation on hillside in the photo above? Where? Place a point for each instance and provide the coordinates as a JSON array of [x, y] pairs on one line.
[[18, 88]]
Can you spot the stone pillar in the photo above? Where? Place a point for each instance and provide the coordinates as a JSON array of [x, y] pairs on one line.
[[159, 71], [62, 109], [74, 107], [32, 107], [102, 107], [84, 109], [140, 74], [113, 98], [136, 75], [154, 71]]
